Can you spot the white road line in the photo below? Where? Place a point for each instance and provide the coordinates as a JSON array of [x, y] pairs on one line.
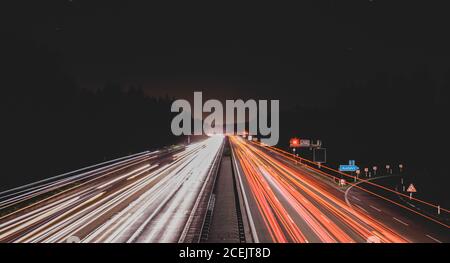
[[356, 198], [400, 221], [362, 208], [379, 210], [250, 218], [434, 239]]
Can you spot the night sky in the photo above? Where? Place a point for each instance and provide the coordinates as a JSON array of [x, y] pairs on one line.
[[304, 52]]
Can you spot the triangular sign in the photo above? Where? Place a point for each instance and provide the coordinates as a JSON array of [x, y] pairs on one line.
[[411, 189]]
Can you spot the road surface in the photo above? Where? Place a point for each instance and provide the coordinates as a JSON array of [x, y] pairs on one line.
[[290, 202], [148, 197], [262, 194]]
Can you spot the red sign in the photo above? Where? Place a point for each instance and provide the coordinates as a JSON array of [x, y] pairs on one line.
[[294, 143]]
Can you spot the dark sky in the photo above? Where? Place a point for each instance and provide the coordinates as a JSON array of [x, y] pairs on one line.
[[300, 54]]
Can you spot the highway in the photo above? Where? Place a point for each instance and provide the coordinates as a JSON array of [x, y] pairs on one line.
[[291, 202], [168, 195], [148, 197]]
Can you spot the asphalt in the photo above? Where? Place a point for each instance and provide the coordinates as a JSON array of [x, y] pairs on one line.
[[148, 198], [406, 224], [412, 226]]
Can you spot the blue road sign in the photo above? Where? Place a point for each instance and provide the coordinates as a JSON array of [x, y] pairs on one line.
[[350, 167]]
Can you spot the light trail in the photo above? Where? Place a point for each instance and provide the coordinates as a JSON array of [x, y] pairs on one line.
[[295, 157], [129, 200], [286, 199]]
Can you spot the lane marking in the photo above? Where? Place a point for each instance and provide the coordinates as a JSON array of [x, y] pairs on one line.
[[375, 208], [434, 239], [400, 221], [356, 198], [247, 207], [346, 197], [362, 208]]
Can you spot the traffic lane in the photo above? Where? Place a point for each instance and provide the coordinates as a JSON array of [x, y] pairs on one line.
[[396, 210], [332, 211], [325, 184], [25, 190], [171, 216], [323, 226], [321, 179], [143, 182], [365, 226], [257, 221], [22, 195], [411, 225], [77, 192], [394, 221], [175, 189], [56, 217], [315, 225], [28, 204], [271, 217]]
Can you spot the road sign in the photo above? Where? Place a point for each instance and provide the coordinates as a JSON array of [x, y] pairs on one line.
[[320, 155], [366, 169], [294, 143], [342, 182], [411, 189], [250, 137], [350, 167], [318, 144], [305, 143]]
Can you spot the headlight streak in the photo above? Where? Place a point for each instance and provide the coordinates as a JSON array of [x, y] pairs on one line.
[[264, 172], [108, 205]]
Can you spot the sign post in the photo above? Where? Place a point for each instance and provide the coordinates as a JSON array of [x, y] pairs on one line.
[[387, 168], [294, 143], [357, 174], [375, 170], [319, 156], [350, 167], [401, 167], [366, 170], [411, 189]]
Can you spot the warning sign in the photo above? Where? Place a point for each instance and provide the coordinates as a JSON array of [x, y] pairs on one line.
[[411, 189]]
